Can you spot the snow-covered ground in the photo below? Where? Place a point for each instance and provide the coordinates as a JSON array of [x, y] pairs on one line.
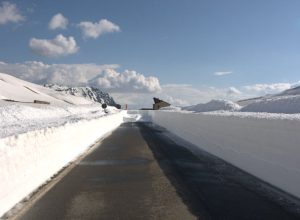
[[37, 140]]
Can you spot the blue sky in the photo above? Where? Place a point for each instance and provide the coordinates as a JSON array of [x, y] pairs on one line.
[[186, 45]]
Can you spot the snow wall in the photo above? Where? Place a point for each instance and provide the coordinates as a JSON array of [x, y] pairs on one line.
[[268, 148], [28, 160]]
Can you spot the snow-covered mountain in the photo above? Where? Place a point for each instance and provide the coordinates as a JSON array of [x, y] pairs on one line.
[[214, 105], [90, 93], [292, 91], [287, 102], [289, 92], [17, 90]]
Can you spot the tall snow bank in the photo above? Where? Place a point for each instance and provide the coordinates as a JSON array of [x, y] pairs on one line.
[[284, 104], [29, 159], [214, 105], [21, 118], [265, 145]]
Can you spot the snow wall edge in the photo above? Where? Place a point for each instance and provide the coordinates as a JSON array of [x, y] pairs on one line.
[[268, 148], [28, 160]]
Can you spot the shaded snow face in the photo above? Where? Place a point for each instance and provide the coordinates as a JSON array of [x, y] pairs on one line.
[[214, 105]]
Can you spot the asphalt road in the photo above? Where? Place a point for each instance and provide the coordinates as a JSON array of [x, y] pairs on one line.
[[140, 173]]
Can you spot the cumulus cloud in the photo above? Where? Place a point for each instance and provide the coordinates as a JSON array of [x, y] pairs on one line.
[[104, 77], [59, 46], [268, 88], [10, 13], [58, 21], [111, 80], [94, 30], [222, 73]]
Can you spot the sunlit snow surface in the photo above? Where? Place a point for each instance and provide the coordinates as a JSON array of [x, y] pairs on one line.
[[213, 105], [22, 115], [37, 140]]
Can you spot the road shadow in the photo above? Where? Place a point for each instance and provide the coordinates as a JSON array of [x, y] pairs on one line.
[[212, 188], [160, 152]]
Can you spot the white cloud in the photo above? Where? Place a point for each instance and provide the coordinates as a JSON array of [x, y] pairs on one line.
[[103, 76], [111, 80], [268, 88], [94, 30], [10, 13], [59, 46], [232, 91], [222, 73], [58, 21], [191, 95]]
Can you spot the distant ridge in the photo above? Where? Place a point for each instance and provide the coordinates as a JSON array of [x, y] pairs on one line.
[[288, 92]]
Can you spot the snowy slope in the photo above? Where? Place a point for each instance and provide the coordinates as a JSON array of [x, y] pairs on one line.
[[90, 93], [19, 90], [214, 105], [292, 91], [280, 104], [287, 102], [20, 114]]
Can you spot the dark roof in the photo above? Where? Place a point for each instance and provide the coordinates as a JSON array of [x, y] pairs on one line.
[[157, 100]]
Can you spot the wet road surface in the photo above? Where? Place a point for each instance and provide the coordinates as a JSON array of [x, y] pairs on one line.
[[139, 173]]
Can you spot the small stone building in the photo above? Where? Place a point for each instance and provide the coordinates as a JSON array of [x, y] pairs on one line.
[[158, 103]]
